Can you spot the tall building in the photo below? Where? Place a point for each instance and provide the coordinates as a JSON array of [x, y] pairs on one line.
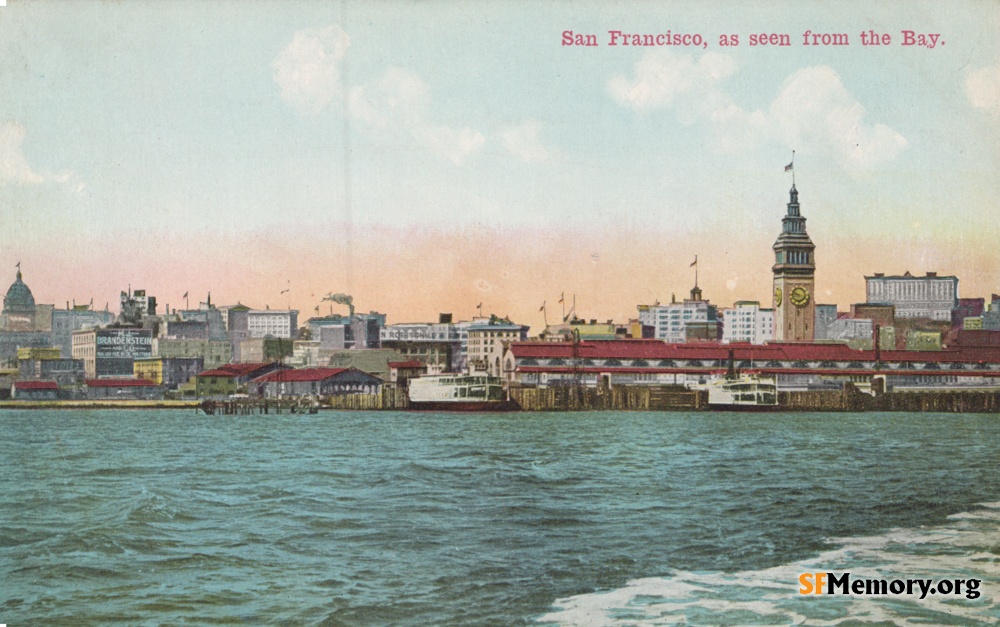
[[747, 322], [487, 342], [931, 296], [19, 307], [677, 323], [794, 277], [111, 352], [826, 315], [76, 318]]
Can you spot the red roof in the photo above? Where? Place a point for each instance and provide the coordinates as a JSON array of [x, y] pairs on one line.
[[657, 349], [301, 374], [236, 370], [405, 364], [36, 385], [119, 383], [218, 372]]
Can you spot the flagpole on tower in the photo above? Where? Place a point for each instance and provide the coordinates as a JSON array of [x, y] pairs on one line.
[[791, 166]]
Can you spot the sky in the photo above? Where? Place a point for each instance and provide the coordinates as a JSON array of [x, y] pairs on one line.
[[430, 156]]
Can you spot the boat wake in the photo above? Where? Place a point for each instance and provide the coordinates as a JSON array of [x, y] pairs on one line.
[[966, 547]]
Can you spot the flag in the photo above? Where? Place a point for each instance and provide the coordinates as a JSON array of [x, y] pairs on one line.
[[542, 308], [789, 166], [562, 297], [185, 295], [694, 263]]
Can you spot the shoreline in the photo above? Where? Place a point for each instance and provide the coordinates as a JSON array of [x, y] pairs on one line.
[[101, 404]]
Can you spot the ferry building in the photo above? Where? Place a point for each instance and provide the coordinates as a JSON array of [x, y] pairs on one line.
[[794, 278]]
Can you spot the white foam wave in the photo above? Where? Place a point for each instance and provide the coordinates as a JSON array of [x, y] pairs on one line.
[[964, 548]]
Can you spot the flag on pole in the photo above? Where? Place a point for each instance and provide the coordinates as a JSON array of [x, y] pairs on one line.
[[542, 308], [185, 295], [694, 263], [789, 166], [562, 297]]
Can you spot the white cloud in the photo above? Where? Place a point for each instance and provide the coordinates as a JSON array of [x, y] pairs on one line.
[[455, 145], [523, 141], [308, 71], [662, 76], [813, 108], [812, 111], [14, 165], [399, 98], [982, 87]]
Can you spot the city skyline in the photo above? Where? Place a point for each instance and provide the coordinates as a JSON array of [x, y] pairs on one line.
[[425, 158]]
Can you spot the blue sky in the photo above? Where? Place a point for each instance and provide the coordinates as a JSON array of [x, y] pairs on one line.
[[342, 144]]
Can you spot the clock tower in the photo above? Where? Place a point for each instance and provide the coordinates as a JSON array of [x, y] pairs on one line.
[[794, 278]]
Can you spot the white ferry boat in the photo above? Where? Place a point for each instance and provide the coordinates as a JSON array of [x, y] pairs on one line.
[[457, 392], [743, 392]]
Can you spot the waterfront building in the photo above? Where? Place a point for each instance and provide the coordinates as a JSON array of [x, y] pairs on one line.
[[858, 333], [747, 322], [400, 372], [306, 354], [967, 308], [933, 297], [213, 353], [317, 382], [796, 366], [487, 342], [22, 322], [18, 307], [794, 277], [923, 340], [136, 308], [170, 372], [263, 349], [882, 315], [825, 315], [244, 323], [110, 352], [122, 389], [582, 329], [232, 378], [76, 318], [374, 361], [34, 391], [358, 331], [670, 322], [48, 364], [440, 346], [638, 331], [204, 323], [991, 317]]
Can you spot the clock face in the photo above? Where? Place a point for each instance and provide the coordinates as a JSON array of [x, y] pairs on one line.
[[777, 297], [799, 296]]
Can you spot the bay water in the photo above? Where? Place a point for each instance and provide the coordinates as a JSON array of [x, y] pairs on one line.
[[391, 518]]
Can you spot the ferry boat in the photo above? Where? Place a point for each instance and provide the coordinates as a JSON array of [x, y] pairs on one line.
[[457, 392], [743, 392]]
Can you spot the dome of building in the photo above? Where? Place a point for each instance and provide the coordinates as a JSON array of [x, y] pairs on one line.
[[19, 298]]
